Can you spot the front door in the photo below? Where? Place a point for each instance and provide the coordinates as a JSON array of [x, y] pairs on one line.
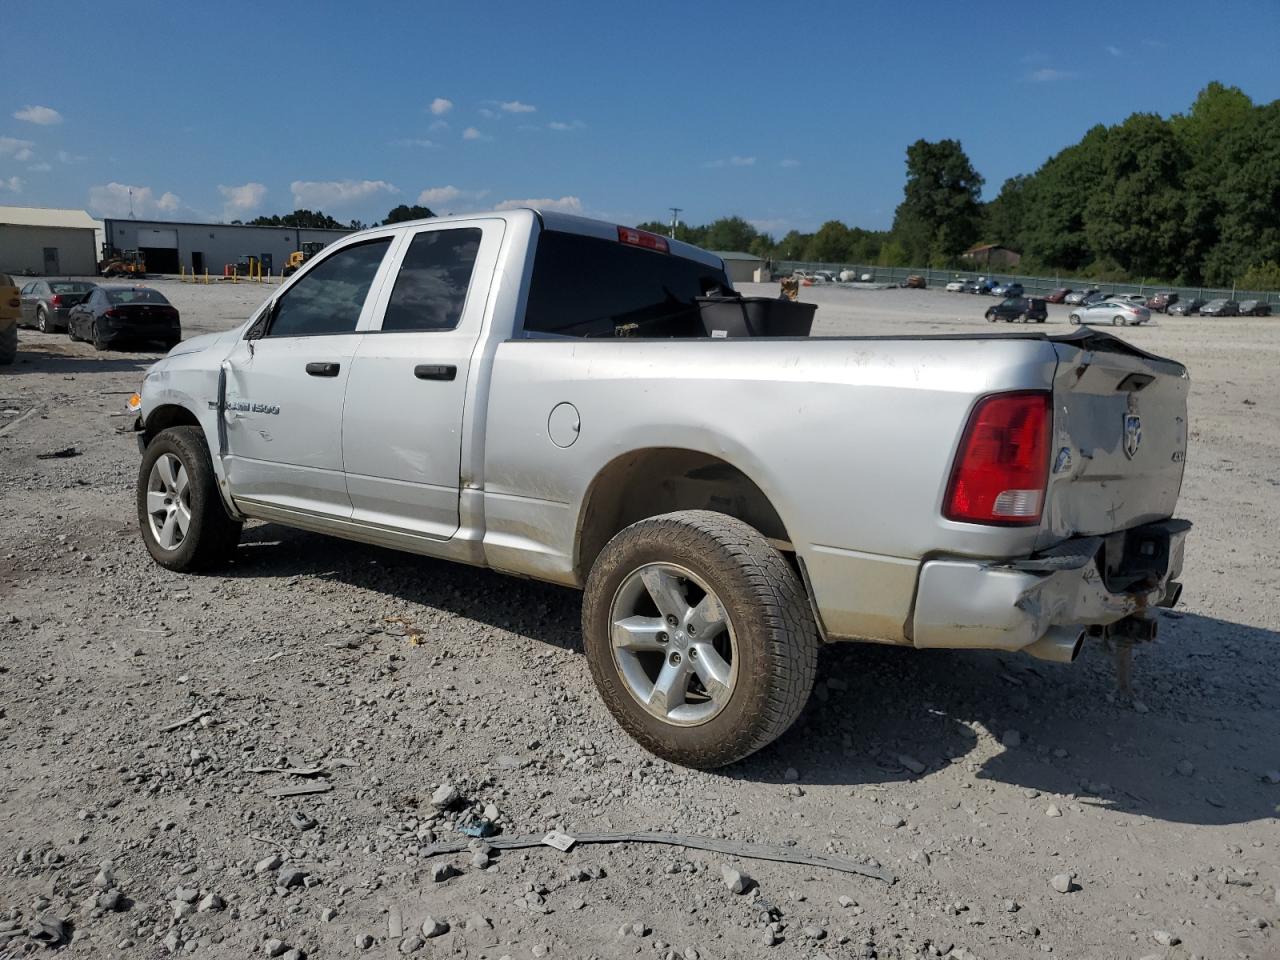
[[30, 296], [403, 420], [285, 383], [197, 262]]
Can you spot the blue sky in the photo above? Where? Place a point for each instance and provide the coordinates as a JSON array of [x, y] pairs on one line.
[[786, 114]]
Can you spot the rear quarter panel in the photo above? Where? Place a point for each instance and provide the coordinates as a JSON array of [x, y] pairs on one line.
[[851, 440]]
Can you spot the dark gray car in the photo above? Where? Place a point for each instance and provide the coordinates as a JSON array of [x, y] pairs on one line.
[[46, 303]]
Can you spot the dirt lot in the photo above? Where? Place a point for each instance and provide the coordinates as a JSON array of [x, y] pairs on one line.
[[976, 779]]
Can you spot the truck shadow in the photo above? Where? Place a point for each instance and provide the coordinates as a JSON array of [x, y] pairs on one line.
[[1190, 750], [1196, 755], [55, 361]]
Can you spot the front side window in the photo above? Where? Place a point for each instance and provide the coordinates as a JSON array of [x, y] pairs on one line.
[[330, 297], [591, 287], [431, 288]]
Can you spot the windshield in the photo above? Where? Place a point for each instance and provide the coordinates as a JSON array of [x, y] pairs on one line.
[[132, 295], [590, 287]]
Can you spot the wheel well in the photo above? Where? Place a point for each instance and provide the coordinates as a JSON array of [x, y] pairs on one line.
[[166, 416], [646, 483]]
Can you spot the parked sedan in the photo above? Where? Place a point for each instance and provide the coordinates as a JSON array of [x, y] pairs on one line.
[[1161, 302], [1134, 298], [1255, 308], [956, 286], [1026, 309], [1058, 295], [1220, 308], [1118, 313], [1077, 296], [114, 314], [46, 303], [1185, 308]]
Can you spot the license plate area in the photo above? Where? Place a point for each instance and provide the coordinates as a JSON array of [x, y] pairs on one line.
[[1139, 559]]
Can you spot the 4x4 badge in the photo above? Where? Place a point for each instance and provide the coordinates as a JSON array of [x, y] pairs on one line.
[[1132, 434]]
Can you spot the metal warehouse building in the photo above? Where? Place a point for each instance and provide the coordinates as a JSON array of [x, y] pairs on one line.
[[172, 247], [741, 267], [47, 242]]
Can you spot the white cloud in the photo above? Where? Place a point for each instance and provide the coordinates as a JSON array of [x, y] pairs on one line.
[[113, 200], [415, 142], [44, 116], [244, 199], [774, 225], [471, 133], [440, 106], [40, 168], [438, 125], [563, 205], [13, 147], [488, 114], [734, 161], [311, 194], [1115, 51], [439, 195], [789, 163], [515, 106], [64, 157], [561, 125], [1047, 75], [13, 184]]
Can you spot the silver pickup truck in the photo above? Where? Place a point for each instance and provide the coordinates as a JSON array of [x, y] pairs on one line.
[[511, 390]]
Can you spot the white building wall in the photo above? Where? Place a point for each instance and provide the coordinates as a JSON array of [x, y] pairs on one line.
[[22, 250], [218, 243]]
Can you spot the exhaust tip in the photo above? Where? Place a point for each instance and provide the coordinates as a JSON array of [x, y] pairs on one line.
[[1059, 645]]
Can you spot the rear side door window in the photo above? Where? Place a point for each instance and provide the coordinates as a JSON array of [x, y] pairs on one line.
[[431, 288], [329, 299]]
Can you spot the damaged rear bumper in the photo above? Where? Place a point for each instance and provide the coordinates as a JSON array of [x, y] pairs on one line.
[[1043, 604]]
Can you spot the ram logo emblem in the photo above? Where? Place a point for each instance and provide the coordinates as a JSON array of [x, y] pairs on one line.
[[1132, 434]]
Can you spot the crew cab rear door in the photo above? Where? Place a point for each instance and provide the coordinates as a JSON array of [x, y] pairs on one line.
[[402, 424], [1120, 437]]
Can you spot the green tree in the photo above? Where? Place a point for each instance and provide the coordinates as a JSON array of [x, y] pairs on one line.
[[404, 213], [1003, 217], [1054, 199], [1136, 210], [732, 234], [940, 215], [301, 219], [830, 244], [1248, 197]]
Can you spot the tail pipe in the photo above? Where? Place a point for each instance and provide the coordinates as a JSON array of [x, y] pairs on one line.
[[1059, 645]]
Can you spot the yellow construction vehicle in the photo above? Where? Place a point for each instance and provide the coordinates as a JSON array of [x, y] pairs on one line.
[[129, 263], [299, 257]]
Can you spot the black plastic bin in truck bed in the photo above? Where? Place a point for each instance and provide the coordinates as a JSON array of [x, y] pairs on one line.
[[755, 317]]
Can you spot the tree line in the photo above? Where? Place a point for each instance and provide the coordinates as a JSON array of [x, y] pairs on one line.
[[319, 220], [1190, 199]]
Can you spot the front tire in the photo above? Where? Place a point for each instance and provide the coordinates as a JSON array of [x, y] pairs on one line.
[[1118, 321], [1074, 318], [98, 342], [42, 321], [184, 525], [699, 636]]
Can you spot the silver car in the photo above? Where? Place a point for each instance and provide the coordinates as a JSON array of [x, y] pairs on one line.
[[1118, 313], [46, 303]]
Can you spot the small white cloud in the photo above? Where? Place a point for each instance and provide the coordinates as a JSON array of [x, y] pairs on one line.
[[244, 199], [1115, 51], [317, 194], [40, 168], [440, 106], [488, 114], [13, 184], [438, 195], [13, 147], [775, 225], [120, 199], [561, 125], [44, 116], [64, 157], [1047, 75], [415, 142], [734, 161], [789, 163], [438, 125], [515, 106], [563, 205], [471, 133]]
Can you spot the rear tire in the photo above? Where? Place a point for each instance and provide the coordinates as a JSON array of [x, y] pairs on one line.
[[98, 343], [1074, 318], [42, 321], [1118, 321], [176, 483], [766, 644], [8, 345]]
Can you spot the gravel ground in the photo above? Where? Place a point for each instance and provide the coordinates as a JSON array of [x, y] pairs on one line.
[[421, 696]]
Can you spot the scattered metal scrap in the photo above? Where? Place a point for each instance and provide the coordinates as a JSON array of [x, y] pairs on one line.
[[66, 453], [300, 791], [732, 848]]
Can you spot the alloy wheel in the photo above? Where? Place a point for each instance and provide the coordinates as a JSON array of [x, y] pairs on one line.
[[168, 501]]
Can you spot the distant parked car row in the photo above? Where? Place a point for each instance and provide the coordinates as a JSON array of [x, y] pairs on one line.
[[101, 315], [985, 285], [1164, 302]]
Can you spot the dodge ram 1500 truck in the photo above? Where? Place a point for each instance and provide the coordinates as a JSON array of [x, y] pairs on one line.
[[506, 390]]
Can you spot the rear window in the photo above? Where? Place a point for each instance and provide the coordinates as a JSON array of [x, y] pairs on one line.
[[135, 296], [71, 287], [589, 287]]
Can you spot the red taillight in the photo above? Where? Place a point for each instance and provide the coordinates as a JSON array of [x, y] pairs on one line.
[[1002, 468], [112, 313], [642, 238], [56, 300]]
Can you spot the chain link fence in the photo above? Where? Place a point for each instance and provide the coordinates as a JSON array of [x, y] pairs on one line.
[[1033, 286]]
